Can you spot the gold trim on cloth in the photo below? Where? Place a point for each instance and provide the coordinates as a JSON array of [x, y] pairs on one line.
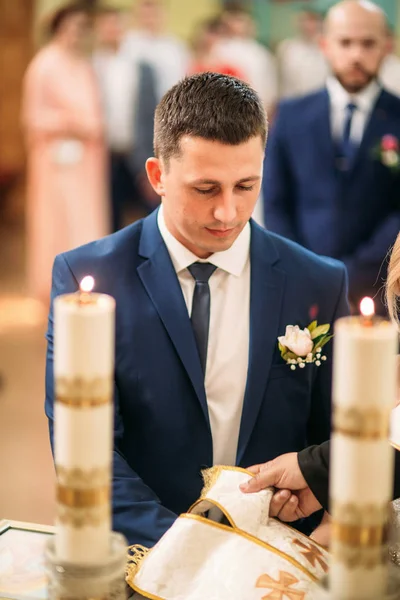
[[252, 538], [135, 556], [78, 392], [211, 475], [217, 505], [141, 553], [82, 498], [83, 478], [366, 423], [82, 517]]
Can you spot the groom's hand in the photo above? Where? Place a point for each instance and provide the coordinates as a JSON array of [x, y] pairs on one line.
[[295, 500]]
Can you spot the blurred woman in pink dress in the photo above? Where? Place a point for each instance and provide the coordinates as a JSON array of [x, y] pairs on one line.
[[67, 202]]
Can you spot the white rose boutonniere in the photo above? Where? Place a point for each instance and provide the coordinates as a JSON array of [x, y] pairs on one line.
[[299, 347]]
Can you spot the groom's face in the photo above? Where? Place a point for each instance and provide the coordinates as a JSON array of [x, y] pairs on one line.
[[208, 191]]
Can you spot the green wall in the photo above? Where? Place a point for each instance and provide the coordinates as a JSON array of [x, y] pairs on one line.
[[276, 20]]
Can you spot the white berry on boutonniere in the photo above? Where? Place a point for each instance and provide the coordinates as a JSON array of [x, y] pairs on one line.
[[299, 347]]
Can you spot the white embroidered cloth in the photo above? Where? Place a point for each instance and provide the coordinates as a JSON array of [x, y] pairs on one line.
[[255, 557]]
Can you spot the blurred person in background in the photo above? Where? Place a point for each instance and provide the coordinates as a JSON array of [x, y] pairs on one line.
[[62, 119], [389, 74], [128, 93], [240, 48], [332, 167], [301, 64], [148, 42], [207, 37]]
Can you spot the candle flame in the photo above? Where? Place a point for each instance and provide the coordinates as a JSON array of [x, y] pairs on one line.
[[87, 284], [367, 307]]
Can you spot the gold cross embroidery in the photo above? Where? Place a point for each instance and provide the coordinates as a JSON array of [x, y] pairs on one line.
[[312, 554], [279, 590]]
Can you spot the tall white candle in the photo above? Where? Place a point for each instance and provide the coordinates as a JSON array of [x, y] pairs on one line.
[[361, 482], [84, 325]]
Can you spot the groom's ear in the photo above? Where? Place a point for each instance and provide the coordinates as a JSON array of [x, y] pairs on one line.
[[155, 175]]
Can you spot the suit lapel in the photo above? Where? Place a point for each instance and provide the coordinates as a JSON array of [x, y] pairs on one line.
[[373, 129], [320, 126], [162, 285], [267, 287]]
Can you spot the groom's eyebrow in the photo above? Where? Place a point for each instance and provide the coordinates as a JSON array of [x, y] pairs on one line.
[[216, 182]]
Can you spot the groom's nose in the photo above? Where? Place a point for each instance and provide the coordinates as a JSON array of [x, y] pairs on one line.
[[225, 208]]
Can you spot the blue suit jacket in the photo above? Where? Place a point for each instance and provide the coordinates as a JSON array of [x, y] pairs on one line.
[[162, 429], [349, 212]]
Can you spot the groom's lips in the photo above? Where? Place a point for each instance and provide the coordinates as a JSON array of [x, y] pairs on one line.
[[220, 232]]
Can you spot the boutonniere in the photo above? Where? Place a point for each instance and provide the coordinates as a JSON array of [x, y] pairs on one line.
[[387, 152], [299, 347]]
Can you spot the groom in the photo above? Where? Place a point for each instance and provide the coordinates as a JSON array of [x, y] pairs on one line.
[[202, 295]]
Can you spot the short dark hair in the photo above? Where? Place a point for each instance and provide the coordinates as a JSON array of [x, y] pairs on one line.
[[236, 8], [211, 106], [213, 24], [64, 13]]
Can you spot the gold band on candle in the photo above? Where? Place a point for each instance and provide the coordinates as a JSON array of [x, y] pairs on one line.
[[79, 392], [82, 498], [370, 423], [80, 403], [358, 535]]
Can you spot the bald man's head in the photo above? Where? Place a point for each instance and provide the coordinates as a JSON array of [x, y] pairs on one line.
[[355, 42]]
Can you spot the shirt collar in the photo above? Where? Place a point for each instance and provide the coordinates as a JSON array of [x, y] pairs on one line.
[[365, 100], [232, 260]]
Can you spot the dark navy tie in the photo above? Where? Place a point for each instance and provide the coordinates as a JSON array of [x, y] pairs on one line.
[[347, 145], [201, 273]]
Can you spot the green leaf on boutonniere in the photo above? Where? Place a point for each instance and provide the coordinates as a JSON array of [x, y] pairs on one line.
[[312, 326], [282, 349], [290, 356], [322, 341], [321, 330]]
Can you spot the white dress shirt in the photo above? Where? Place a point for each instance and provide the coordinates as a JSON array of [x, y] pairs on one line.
[[228, 341], [340, 98], [118, 81]]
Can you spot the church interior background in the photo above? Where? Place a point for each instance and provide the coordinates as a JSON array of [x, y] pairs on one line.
[[26, 483]]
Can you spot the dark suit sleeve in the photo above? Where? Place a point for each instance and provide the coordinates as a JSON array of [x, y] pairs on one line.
[[319, 424], [277, 183], [314, 465], [375, 249], [137, 512]]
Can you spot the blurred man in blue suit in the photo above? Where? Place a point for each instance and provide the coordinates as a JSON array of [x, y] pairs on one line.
[[202, 295], [332, 169]]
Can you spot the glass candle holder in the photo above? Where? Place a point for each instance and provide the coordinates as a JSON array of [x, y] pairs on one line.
[[102, 581]]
